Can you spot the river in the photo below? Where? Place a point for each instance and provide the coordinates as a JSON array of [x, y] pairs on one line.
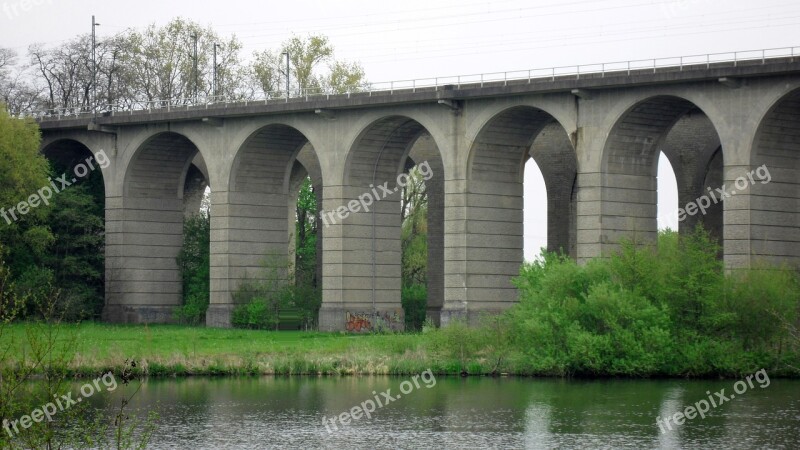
[[449, 412]]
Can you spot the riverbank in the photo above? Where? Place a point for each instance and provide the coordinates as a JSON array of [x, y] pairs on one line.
[[173, 350], [177, 351]]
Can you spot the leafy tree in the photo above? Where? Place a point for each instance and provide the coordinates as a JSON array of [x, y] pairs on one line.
[[23, 169], [22, 172], [413, 214], [305, 55], [308, 58], [194, 261], [306, 242], [58, 245], [76, 256], [414, 244], [267, 73], [345, 77], [159, 62]]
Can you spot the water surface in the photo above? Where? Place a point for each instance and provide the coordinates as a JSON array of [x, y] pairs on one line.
[[209, 413]]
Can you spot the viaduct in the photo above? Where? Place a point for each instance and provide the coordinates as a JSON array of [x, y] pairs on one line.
[[596, 135]]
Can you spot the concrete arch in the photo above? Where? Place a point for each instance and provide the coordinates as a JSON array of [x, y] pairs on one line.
[[433, 120], [775, 191], [495, 175], [245, 131], [158, 167], [502, 145], [79, 144], [140, 141], [630, 159], [70, 152], [694, 149], [144, 230], [263, 163], [564, 112], [379, 152], [256, 219], [366, 251]]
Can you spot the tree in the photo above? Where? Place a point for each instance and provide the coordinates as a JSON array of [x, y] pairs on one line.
[[66, 71], [76, 256], [266, 72], [345, 77], [414, 233], [23, 169], [306, 242], [306, 55], [160, 62], [414, 245], [16, 92], [309, 71], [194, 261]]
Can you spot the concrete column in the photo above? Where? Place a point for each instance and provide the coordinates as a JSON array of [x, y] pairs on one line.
[[362, 260]]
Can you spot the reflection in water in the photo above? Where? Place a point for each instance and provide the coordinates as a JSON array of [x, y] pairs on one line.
[[271, 412]]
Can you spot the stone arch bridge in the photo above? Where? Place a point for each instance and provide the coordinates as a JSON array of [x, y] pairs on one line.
[[596, 138]]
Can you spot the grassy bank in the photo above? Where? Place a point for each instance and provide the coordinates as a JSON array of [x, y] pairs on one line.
[[172, 350], [664, 309]]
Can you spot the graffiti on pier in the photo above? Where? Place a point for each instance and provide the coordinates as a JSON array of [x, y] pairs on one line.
[[357, 322]]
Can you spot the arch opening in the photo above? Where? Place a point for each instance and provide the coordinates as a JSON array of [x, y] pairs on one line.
[[145, 232], [376, 239], [508, 150], [262, 250], [680, 131]]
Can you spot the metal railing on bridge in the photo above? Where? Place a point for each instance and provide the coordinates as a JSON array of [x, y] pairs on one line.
[[678, 63]]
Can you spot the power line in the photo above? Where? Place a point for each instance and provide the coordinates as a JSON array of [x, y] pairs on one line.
[[414, 12], [456, 23], [507, 44], [363, 56], [591, 42]]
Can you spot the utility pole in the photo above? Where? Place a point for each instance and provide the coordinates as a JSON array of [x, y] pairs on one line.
[[215, 69], [287, 73], [94, 68], [194, 36]]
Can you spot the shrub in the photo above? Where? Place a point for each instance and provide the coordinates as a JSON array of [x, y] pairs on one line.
[[275, 299], [415, 302], [194, 261], [662, 308]]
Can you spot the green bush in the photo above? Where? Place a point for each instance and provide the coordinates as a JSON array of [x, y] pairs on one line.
[[275, 299], [415, 302], [667, 308], [194, 261]]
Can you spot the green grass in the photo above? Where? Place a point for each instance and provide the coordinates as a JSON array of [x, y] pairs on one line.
[[166, 350]]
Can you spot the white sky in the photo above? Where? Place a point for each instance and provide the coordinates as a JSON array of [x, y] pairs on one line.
[[420, 39]]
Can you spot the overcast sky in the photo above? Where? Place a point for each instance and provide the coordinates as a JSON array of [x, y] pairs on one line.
[[419, 39]]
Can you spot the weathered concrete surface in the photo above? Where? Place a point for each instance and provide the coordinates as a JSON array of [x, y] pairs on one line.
[[597, 151]]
